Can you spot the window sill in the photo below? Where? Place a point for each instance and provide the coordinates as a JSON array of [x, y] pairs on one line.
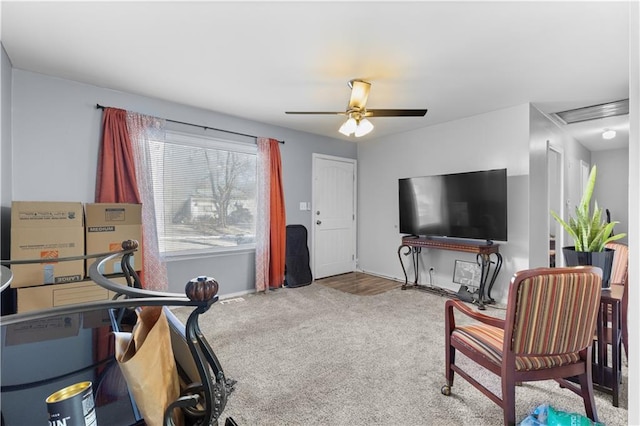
[[197, 254]]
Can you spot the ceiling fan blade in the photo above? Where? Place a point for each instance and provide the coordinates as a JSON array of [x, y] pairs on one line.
[[357, 105], [359, 94], [316, 112], [396, 112]]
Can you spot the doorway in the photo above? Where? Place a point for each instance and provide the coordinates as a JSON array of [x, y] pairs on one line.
[[555, 194], [333, 222]]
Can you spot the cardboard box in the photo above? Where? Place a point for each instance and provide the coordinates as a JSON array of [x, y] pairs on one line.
[[107, 226], [46, 230], [49, 296], [40, 330]]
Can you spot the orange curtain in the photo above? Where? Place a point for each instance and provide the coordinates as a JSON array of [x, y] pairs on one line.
[[115, 183], [278, 217], [116, 177], [271, 220]]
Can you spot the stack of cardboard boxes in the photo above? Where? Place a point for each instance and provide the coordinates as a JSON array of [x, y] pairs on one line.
[[53, 230]]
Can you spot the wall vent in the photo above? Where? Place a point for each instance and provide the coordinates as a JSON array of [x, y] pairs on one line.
[[594, 112]]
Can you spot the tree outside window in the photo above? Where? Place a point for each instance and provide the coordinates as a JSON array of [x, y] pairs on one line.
[[205, 194]]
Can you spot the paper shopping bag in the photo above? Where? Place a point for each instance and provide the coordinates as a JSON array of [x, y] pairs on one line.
[[146, 359]]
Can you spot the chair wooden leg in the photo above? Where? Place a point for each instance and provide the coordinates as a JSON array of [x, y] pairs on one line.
[[509, 400], [586, 389], [450, 358], [623, 313]]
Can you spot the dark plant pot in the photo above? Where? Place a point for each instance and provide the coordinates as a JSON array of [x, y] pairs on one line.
[[601, 259]]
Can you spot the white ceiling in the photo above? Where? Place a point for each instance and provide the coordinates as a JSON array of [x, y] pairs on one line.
[[259, 59]]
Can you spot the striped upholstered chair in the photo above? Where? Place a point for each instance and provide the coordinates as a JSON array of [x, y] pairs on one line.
[[620, 276], [547, 333]]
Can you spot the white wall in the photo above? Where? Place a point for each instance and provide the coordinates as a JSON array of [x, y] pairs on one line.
[[612, 186], [489, 141], [541, 133], [5, 149], [634, 208], [55, 138], [6, 299], [544, 132]]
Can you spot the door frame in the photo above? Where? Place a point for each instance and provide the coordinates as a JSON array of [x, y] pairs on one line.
[[560, 232], [314, 157]]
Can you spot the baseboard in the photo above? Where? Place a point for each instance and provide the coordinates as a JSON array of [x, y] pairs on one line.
[[375, 274], [236, 294], [453, 288]]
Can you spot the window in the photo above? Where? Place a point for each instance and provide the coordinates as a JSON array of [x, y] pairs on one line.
[[204, 192]]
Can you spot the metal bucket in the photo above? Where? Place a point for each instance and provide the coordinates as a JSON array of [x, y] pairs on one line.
[[72, 406]]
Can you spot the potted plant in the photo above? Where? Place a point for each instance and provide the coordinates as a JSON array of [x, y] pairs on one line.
[[590, 233]]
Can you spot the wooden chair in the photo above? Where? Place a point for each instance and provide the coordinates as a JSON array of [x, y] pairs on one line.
[[547, 334], [620, 275]]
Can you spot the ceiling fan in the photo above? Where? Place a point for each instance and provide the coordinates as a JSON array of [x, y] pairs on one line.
[[357, 123]]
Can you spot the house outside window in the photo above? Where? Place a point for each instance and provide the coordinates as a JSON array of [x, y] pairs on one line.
[[204, 194]]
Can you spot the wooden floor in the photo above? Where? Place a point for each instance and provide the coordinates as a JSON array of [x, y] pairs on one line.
[[359, 283]]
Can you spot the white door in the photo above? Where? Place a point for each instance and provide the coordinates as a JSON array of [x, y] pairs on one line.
[[333, 215]]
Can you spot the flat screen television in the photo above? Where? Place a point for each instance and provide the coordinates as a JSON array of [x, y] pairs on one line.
[[471, 205]]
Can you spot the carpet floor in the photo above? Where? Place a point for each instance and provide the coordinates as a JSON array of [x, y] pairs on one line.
[[318, 356]]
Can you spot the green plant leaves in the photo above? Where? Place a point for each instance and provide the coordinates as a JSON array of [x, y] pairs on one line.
[[590, 233]]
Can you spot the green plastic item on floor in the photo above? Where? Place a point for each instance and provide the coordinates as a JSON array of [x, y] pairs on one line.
[[546, 415], [560, 418]]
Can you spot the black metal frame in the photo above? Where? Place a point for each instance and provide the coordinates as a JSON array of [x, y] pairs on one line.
[[415, 256], [202, 401], [483, 259]]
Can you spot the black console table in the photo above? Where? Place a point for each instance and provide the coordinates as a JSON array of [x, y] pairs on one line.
[[484, 250]]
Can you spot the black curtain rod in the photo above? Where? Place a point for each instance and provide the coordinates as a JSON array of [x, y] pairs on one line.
[[98, 106]]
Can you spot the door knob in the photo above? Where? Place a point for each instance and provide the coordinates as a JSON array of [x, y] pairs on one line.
[[318, 222]]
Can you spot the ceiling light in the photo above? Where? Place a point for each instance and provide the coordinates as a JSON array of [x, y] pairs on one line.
[[356, 125], [608, 134], [364, 127], [349, 126]]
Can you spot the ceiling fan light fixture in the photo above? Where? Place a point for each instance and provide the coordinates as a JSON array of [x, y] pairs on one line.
[[364, 127], [608, 134], [357, 111], [348, 126], [359, 94]]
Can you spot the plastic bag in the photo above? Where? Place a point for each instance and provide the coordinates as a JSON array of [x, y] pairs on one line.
[[561, 418], [546, 415], [538, 417]]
